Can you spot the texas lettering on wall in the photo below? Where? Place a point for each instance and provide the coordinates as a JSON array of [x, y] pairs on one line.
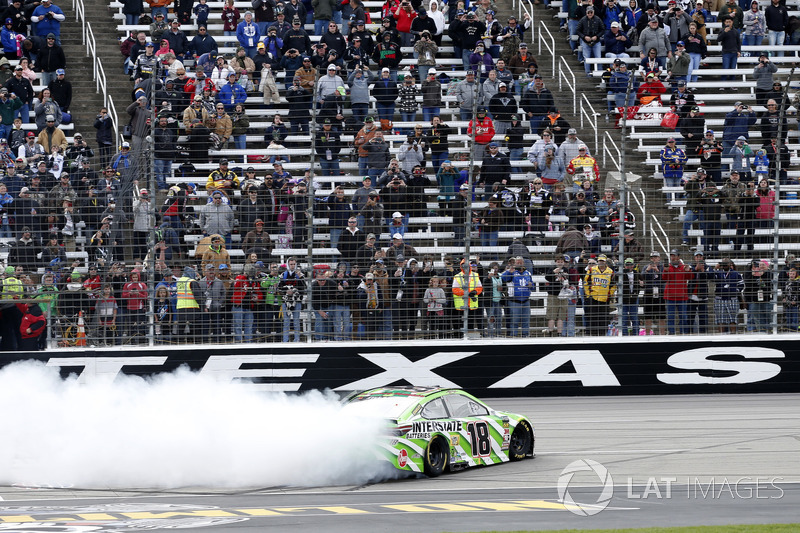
[[492, 370]]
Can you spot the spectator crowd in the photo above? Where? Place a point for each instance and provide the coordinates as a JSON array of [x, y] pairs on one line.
[[193, 256]]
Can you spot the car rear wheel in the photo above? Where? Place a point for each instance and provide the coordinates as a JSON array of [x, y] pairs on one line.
[[521, 441], [437, 456]]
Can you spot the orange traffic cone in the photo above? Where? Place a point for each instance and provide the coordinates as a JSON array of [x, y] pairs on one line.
[[80, 338]]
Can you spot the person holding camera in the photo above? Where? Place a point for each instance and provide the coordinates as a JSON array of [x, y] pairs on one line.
[[48, 19], [405, 15], [737, 124], [425, 50], [763, 74]]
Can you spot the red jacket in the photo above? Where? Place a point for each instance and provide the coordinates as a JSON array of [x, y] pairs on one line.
[[135, 295], [404, 19], [484, 130], [245, 291], [36, 322], [676, 283]]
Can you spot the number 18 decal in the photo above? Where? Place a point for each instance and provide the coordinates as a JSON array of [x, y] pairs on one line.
[[479, 439]]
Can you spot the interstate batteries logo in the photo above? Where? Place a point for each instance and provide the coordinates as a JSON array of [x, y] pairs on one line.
[[587, 470]]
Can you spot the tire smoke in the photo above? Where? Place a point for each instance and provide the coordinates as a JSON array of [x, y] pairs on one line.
[[176, 430]]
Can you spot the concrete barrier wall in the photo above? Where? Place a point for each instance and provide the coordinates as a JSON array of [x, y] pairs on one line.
[[604, 366]]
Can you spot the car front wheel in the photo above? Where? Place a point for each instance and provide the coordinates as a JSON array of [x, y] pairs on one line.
[[521, 441]]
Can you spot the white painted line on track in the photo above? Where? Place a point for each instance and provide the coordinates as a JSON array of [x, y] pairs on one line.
[[613, 452]]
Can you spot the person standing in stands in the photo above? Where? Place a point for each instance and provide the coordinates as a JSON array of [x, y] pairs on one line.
[[188, 290], [47, 19], [731, 44], [599, 285]]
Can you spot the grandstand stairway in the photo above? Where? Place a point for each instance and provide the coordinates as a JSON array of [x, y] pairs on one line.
[[634, 162], [86, 101]]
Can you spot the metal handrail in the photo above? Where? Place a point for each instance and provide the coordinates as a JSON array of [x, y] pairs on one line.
[[588, 112], [609, 143], [98, 73], [546, 38], [564, 75], [523, 7]]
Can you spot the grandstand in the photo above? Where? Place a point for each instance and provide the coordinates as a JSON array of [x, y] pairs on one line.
[[438, 226]]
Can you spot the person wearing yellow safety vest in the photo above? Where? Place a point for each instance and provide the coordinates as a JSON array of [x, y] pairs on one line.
[[188, 309], [467, 283], [599, 284], [11, 315]]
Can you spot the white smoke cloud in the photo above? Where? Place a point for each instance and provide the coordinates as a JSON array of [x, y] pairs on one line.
[[175, 430]]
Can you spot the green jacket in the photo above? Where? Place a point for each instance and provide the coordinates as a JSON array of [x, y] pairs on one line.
[[271, 294], [7, 109], [323, 9], [49, 296]]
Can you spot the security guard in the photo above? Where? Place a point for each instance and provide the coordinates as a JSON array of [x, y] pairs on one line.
[[187, 305], [467, 282], [11, 315]]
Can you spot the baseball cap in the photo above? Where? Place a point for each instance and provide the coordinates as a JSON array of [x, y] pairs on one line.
[[397, 214], [615, 24], [50, 118], [629, 261], [680, 43], [331, 67], [260, 45], [223, 161], [149, 43], [397, 236], [655, 254], [371, 236], [432, 71], [60, 71], [699, 252], [701, 170], [30, 134], [144, 192], [464, 187], [674, 251], [602, 257], [369, 275], [126, 144], [573, 131], [741, 138], [384, 69]]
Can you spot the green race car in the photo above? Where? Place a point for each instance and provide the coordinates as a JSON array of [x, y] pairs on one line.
[[433, 429]]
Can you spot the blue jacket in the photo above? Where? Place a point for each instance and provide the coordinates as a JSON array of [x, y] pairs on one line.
[[46, 25], [737, 124], [673, 160], [613, 46], [619, 82], [522, 283], [232, 94], [9, 40], [202, 45], [729, 283], [247, 34]]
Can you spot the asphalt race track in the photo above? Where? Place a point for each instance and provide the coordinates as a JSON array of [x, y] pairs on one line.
[[634, 462]]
